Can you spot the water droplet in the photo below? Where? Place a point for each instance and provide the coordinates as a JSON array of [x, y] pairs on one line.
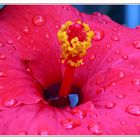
[[46, 36], [123, 123], [92, 57], [2, 56], [70, 123], [103, 21], [39, 20], [138, 124], [117, 51], [43, 132], [115, 29], [100, 91], [97, 14], [115, 38], [10, 42], [78, 113], [18, 37], [98, 35], [109, 59], [56, 26], [110, 105], [11, 51], [133, 110], [58, 12], [100, 80], [28, 69], [3, 74], [95, 129], [65, 8], [25, 29], [124, 57], [107, 114], [1, 44], [136, 44], [113, 84], [9, 102], [51, 116], [121, 75], [108, 46], [1, 87], [36, 30], [136, 82], [120, 96]]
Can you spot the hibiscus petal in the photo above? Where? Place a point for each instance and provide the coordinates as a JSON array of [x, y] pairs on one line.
[[16, 84], [42, 119], [114, 87], [35, 36]]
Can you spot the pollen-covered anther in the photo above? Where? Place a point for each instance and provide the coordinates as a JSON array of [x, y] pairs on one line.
[[75, 38]]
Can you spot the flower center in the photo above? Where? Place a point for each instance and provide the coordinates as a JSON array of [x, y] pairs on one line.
[[75, 38], [51, 95]]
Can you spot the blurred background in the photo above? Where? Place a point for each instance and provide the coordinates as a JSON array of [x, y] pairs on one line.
[[128, 15]]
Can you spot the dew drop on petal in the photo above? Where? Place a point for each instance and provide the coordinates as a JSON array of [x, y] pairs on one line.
[[43, 132], [36, 30], [121, 75], [3, 74], [18, 37], [115, 29], [124, 57], [92, 57], [70, 123], [99, 80], [109, 59], [39, 20], [78, 113], [110, 105], [1, 44], [2, 56], [97, 14], [10, 42], [108, 46], [1, 87], [100, 91], [46, 36], [7, 102], [95, 129], [25, 29], [123, 123], [117, 51], [136, 44], [58, 12], [102, 20], [115, 38], [120, 96], [98, 35], [113, 84], [51, 116], [133, 110], [136, 82]]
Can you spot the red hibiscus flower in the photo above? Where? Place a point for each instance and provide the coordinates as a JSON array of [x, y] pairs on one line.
[[109, 78]]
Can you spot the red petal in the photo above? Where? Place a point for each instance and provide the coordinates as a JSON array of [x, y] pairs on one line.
[[33, 30], [42, 119], [113, 83], [35, 48], [16, 84]]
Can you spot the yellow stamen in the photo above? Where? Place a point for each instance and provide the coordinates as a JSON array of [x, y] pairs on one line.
[[74, 47]]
